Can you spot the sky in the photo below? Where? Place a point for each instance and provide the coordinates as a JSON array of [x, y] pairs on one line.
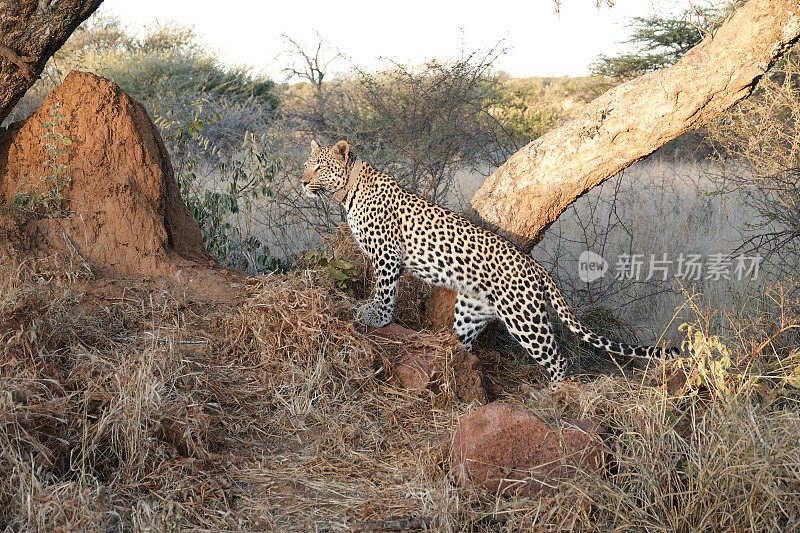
[[539, 41]]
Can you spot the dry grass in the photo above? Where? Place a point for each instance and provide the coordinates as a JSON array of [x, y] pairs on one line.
[[133, 406]]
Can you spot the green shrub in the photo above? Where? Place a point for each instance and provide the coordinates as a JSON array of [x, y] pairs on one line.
[[45, 196], [219, 186]]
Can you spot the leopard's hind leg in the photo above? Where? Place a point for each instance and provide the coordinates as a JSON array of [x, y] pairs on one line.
[[526, 320]]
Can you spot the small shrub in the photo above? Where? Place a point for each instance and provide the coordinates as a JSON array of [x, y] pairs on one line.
[[708, 364], [341, 271], [46, 196], [224, 186]]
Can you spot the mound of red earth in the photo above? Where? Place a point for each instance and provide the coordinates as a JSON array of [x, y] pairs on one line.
[[126, 215], [507, 449]]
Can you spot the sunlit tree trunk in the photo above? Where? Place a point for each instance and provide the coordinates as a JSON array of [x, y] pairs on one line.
[[528, 192], [30, 32]]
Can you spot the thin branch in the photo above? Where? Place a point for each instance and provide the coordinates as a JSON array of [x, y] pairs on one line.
[[20, 61]]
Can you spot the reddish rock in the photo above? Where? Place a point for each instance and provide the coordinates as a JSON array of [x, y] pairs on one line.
[[396, 330], [508, 449], [126, 212], [468, 376], [676, 380], [417, 365], [419, 369], [413, 370]]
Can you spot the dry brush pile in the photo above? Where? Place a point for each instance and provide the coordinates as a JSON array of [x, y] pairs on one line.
[[133, 404]]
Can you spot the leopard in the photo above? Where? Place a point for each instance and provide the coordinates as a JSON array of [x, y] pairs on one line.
[[400, 231]]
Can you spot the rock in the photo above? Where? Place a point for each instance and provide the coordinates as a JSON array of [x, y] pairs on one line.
[[419, 369], [413, 370], [468, 373], [126, 212], [507, 449], [676, 381], [418, 363]]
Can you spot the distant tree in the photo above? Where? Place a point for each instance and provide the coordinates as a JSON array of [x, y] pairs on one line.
[[422, 123], [313, 68], [659, 42], [165, 58], [598, 4]]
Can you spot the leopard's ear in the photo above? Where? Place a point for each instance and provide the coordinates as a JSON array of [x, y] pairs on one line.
[[314, 145], [342, 148]]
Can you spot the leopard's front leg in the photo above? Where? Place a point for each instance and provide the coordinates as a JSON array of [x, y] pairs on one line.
[[379, 311]]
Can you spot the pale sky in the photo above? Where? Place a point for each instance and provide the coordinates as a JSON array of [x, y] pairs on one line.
[[541, 42]]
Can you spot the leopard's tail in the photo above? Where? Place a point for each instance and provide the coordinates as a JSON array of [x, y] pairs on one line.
[[598, 341]]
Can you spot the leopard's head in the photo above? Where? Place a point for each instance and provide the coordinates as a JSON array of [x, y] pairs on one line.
[[325, 170]]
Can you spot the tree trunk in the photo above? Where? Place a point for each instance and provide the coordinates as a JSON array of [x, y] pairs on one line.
[[527, 193], [30, 32]]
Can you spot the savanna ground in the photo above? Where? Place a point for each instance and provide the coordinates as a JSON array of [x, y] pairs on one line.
[[130, 404], [257, 403]]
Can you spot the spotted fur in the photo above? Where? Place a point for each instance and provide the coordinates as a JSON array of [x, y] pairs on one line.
[[401, 231]]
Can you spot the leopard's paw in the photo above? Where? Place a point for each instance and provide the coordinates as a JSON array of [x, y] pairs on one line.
[[373, 315]]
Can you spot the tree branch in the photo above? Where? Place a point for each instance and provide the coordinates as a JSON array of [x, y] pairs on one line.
[[527, 193], [35, 29]]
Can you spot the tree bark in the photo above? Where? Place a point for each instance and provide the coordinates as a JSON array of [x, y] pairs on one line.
[[528, 192], [30, 32]]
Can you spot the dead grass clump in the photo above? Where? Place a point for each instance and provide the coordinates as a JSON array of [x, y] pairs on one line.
[[33, 295], [715, 450], [145, 409], [88, 427], [360, 447], [137, 407]]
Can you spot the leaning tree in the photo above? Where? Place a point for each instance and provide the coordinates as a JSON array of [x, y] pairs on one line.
[[529, 191], [31, 31]]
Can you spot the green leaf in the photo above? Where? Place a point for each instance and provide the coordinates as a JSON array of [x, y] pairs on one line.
[[337, 274], [341, 265]]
